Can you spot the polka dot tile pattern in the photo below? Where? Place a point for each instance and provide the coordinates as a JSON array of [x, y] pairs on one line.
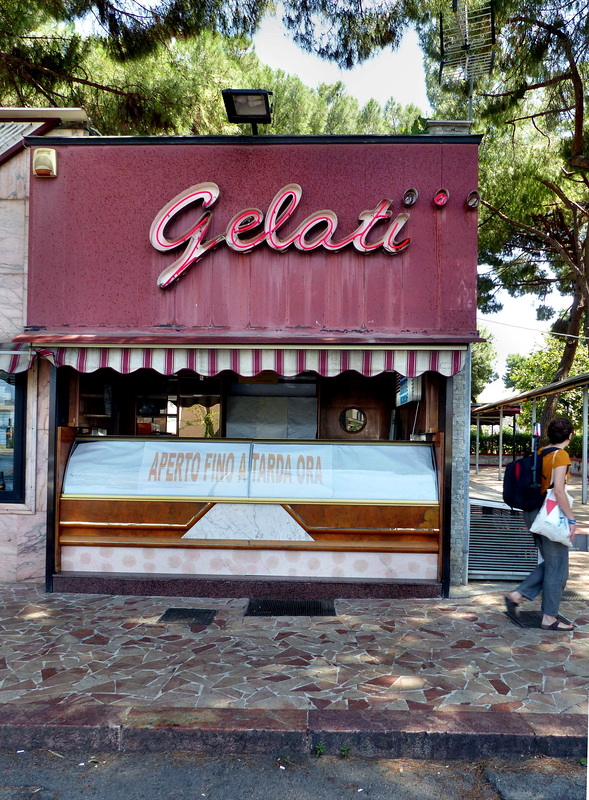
[[278, 563]]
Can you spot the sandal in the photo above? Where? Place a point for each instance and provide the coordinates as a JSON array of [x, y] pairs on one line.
[[556, 626], [512, 610]]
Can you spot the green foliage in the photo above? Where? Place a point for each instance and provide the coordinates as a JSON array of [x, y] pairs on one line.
[[483, 357], [159, 69], [536, 370], [534, 160], [172, 87], [512, 364], [489, 442], [575, 448], [319, 750]]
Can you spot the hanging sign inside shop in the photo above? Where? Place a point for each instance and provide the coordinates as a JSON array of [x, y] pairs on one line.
[[251, 227]]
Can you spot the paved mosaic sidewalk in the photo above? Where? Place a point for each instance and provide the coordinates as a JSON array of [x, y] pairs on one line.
[[460, 654]]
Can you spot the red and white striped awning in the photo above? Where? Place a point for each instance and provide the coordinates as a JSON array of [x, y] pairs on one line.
[[15, 357], [247, 361]]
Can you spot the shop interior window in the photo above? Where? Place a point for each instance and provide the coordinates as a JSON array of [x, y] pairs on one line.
[[12, 437], [145, 403], [269, 406], [186, 406]]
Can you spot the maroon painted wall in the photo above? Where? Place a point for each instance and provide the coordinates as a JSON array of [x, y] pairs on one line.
[[92, 268]]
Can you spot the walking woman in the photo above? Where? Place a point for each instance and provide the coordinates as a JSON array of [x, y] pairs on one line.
[[550, 576]]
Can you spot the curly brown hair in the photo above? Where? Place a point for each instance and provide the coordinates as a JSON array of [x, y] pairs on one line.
[[559, 430]]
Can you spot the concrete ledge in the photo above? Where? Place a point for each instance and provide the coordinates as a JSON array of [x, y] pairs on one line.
[[223, 586], [214, 730], [448, 735], [416, 734], [78, 725]]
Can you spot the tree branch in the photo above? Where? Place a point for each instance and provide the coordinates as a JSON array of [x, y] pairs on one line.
[[529, 87], [539, 114], [574, 75], [550, 241], [69, 78], [566, 200]]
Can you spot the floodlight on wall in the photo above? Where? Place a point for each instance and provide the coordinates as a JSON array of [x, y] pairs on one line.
[[248, 105], [44, 163]]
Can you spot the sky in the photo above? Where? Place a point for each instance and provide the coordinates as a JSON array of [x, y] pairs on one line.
[[514, 330], [380, 78], [401, 75]]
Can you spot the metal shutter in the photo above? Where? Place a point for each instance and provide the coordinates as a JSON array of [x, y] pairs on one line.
[[501, 547]]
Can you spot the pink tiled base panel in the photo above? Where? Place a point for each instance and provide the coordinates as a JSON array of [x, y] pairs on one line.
[[276, 563]]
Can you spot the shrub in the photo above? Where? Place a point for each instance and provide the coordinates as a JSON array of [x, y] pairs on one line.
[[489, 442]]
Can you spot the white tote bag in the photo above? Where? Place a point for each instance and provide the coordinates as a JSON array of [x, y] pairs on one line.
[[551, 520]]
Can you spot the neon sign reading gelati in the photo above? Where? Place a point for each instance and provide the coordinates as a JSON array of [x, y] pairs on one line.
[[250, 228]]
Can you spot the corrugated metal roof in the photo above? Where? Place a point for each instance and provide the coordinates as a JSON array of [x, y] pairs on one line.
[[574, 382], [13, 132]]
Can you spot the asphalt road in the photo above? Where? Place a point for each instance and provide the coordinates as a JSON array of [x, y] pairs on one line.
[[47, 775]]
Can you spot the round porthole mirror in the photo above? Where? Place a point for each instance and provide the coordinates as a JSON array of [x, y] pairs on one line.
[[352, 420]]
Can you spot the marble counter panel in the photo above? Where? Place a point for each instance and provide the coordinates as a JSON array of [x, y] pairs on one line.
[[256, 521]]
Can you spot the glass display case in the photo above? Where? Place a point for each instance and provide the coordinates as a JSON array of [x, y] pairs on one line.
[[363, 472]]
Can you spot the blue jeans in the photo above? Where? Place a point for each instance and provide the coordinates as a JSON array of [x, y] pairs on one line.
[[550, 576]]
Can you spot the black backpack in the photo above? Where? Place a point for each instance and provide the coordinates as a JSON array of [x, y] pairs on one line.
[[521, 480]]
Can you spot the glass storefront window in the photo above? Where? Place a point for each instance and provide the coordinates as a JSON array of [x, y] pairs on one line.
[[12, 437], [254, 470]]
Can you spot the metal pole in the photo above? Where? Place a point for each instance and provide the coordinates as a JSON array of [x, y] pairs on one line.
[[468, 421], [513, 426], [533, 421], [500, 473], [478, 444], [584, 450], [470, 94]]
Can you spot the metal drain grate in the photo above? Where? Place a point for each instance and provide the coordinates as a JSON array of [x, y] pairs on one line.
[[197, 616], [290, 608], [569, 594], [533, 619]]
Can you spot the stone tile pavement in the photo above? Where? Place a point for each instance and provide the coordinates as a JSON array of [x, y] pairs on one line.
[[436, 678]]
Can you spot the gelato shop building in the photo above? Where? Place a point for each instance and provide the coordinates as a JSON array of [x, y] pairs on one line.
[[253, 353]]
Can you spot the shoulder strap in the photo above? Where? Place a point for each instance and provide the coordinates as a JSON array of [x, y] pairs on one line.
[[552, 469], [546, 452]]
